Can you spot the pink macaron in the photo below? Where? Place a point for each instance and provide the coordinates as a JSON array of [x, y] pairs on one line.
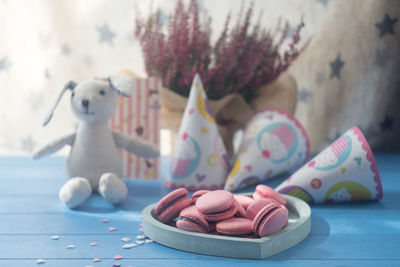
[[241, 212], [257, 205], [244, 200], [170, 205], [263, 191], [191, 220], [217, 205], [198, 194], [270, 219], [236, 227]]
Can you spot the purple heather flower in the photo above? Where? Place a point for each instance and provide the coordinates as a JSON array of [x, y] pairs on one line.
[[242, 59]]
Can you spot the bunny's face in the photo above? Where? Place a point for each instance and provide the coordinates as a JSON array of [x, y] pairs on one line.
[[93, 101]]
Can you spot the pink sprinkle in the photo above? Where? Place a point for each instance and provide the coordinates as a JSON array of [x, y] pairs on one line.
[[118, 257], [96, 260], [105, 221], [112, 228], [93, 244], [141, 224], [117, 264], [141, 229]]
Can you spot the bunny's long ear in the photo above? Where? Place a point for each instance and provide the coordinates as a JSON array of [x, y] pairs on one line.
[[122, 85], [69, 86]]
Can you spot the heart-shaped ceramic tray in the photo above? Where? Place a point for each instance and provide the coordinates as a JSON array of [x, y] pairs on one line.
[[298, 228]]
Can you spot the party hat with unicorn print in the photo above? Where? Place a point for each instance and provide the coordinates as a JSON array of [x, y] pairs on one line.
[[345, 171], [199, 159]]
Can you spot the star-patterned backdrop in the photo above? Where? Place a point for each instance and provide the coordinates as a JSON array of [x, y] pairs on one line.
[[348, 75]]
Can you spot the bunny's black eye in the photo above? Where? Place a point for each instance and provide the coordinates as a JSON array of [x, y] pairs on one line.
[[73, 94], [102, 92]]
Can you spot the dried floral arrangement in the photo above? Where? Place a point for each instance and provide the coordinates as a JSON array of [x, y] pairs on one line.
[[243, 58]]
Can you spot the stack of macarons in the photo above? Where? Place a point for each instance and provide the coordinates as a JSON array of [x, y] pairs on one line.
[[221, 212]]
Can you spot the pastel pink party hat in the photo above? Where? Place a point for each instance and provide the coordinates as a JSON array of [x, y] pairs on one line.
[[199, 159], [274, 142], [344, 171]]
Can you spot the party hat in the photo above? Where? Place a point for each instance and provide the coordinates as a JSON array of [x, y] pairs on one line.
[[199, 160], [274, 142], [344, 171]]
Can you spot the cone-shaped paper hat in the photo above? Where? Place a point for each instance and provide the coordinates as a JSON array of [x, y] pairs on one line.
[[274, 142], [199, 159], [344, 171]]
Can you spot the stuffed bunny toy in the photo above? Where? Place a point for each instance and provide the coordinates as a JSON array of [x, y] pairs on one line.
[[94, 162]]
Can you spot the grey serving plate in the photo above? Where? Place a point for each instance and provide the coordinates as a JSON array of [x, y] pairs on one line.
[[298, 229]]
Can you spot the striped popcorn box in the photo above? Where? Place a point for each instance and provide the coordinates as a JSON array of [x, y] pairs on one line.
[[344, 171], [139, 116]]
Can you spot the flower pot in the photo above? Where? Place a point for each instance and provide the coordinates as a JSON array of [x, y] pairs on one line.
[[232, 111]]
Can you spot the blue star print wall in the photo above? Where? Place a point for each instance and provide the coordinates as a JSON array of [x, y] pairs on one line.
[[348, 74]]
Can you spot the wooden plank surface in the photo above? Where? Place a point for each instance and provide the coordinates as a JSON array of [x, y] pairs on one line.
[[357, 234]]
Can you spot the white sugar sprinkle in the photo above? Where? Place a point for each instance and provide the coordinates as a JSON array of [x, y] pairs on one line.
[[55, 237], [148, 241], [140, 237], [40, 261], [139, 242], [131, 245], [70, 246], [125, 239]]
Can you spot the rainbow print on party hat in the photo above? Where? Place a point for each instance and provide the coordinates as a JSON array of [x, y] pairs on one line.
[[344, 171], [199, 159], [274, 142]]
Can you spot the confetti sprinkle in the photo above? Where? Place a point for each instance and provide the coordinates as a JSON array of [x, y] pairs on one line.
[[40, 261], [112, 228], [105, 221], [96, 260], [125, 239], [139, 242], [141, 224], [70, 246], [148, 241], [117, 264], [140, 237], [131, 245], [93, 244], [55, 237], [141, 229], [118, 257]]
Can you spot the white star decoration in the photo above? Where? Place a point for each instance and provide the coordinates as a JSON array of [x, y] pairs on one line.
[[303, 95], [4, 63], [66, 49], [47, 74], [324, 2], [106, 35], [290, 29]]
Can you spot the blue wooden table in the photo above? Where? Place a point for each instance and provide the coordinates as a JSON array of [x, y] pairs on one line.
[[363, 234]]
